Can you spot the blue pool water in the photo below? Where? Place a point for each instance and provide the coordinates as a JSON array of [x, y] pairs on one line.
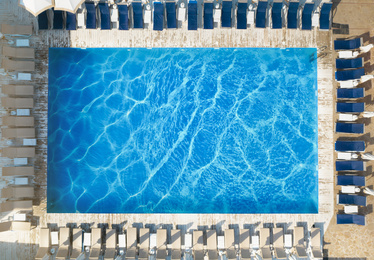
[[182, 131]]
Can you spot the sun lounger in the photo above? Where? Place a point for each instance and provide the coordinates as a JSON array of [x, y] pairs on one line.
[[276, 15], [212, 244], [44, 243], [18, 90], [71, 21], [10, 205], [351, 199], [230, 244], [43, 21], [17, 102], [123, 18], [349, 165], [18, 65], [350, 219], [158, 16], [348, 44], [208, 16], [76, 250], [244, 243], [241, 16], [137, 15], [18, 132], [351, 180], [315, 236], [19, 53], [226, 14], [350, 107], [350, 93], [131, 243], [299, 242], [16, 29], [292, 15], [350, 146], [198, 245], [261, 14], [64, 245], [14, 152], [144, 244], [18, 171], [15, 226], [176, 252], [95, 243], [16, 121], [325, 17], [104, 16], [171, 15], [278, 243], [265, 243], [349, 63], [306, 20], [192, 15], [90, 15], [15, 192], [58, 19], [110, 244], [350, 128]]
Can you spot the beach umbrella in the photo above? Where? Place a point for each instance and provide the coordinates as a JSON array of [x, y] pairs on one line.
[[368, 114], [369, 191], [36, 6], [68, 5]]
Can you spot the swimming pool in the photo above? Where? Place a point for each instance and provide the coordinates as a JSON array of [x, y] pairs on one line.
[[177, 130]]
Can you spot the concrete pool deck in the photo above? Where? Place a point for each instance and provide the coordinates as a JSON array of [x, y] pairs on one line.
[[23, 245]]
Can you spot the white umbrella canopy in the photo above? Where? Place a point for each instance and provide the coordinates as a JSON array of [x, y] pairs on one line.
[[36, 6], [68, 5]]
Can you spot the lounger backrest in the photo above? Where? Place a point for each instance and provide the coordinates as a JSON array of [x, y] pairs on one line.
[[276, 15], [350, 219], [306, 23], [144, 238], [292, 15], [13, 152], [96, 237], [226, 13], [347, 44], [244, 239], [77, 239], [241, 16], [58, 20], [123, 17], [208, 16], [171, 15], [22, 53], [351, 180], [104, 16], [91, 15], [161, 238], [261, 14], [18, 171], [18, 90], [17, 192], [15, 121], [349, 165], [211, 236], [352, 199], [131, 237], [71, 21], [350, 146], [43, 20], [111, 239], [137, 15], [158, 17], [15, 226], [278, 237], [229, 239], [315, 235], [192, 15], [299, 236], [16, 29], [44, 240], [198, 240], [64, 237], [264, 237], [324, 18], [175, 239]]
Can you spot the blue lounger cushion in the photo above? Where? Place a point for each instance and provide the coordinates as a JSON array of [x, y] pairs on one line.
[[349, 74], [158, 16], [324, 17], [71, 21], [349, 63], [226, 14], [138, 14], [348, 44], [241, 16], [208, 15], [43, 21], [349, 165], [349, 128], [104, 16], [58, 19], [350, 92], [306, 21], [192, 15], [171, 15], [261, 14], [350, 219], [350, 107], [91, 16], [292, 15], [350, 146], [352, 199], [351, 180], [123, 17], [276, 15]]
